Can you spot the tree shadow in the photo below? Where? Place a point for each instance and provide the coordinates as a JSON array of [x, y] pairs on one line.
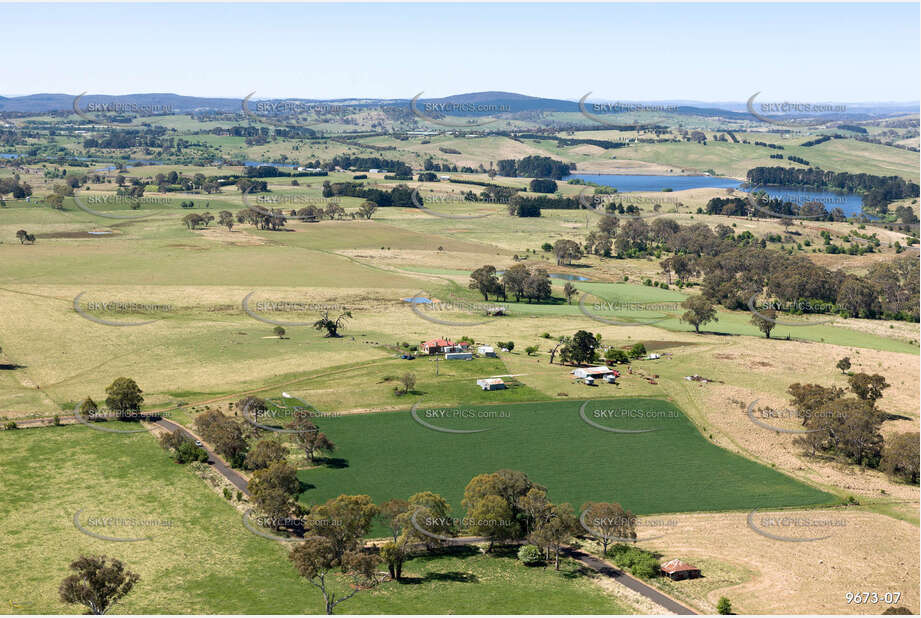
[[504, 551], [456, 551], [10, 366], [336, 463], [575, 571], [449, 576]]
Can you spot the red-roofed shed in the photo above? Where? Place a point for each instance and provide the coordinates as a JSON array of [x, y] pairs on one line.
[[676, 569]]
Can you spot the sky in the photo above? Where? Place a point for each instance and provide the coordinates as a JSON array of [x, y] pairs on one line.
[[702, 52]]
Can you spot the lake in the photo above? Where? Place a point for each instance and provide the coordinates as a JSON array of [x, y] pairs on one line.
[[263, 163], [850, 203], [624, 183]]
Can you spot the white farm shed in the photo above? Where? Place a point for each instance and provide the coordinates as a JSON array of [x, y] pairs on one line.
[[491, 384], [592, 372], [486, 350], [459, 356]]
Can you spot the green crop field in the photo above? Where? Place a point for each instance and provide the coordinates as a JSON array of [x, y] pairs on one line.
[[206, 561], [671, 469]]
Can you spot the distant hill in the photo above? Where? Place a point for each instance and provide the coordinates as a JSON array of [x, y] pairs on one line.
[[513, 102]]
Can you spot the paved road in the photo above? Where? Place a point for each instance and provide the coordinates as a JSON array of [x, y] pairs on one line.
[[620, 577], [596, 564], [226, 471]]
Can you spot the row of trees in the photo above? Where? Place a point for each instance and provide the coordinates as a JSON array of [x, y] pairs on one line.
[[400, 195], [846, 423], [534, 166], [584, 348], [737, 266], [759, 204], [12, 186], [519, 281], [499, 507], [876, 190], [634, 237]]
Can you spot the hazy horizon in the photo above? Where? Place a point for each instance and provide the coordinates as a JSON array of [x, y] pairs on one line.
[[455, 94], [624, 52]]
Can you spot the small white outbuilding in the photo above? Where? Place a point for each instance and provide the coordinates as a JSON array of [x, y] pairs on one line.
[[491, 384], [592, 372]]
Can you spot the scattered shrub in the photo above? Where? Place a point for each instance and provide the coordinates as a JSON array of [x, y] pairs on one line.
[[530, 555]]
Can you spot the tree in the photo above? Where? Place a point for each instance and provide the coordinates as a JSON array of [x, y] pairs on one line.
[[430, 512], [193, 220], [393, 553], [699, 312], [609, 521], [309, 438], [900, 456], [556, 530], [24, 236], [491, 517], [844, 364], [334, 211], [280, 476], [566, 251], [764, 320], [807, 398], [279, 332], [484, 280], [367, 209], [581, 349], [316, 558], [724, 606], [850, 427], [332, 326], [98, 583], [275, 505], [638, 350], [225, 218], [542, 185], [613, 355], [87, 408], [514, 280], [55, 200], [228, 440], [511, 486], [184, 449], [343, 521], [407, 384], [537, 285], [264, 454], [569, 291], [251, 407], [531, 350], [124, 396], [534, 506], [389, 513], [530, 555], [868, 387]]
